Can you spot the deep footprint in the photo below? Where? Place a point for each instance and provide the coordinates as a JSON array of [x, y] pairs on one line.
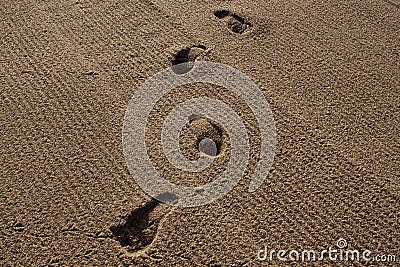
[[183, 60], [234, 22], [141, 226]]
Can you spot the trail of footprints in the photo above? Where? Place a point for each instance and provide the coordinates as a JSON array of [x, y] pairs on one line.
[[142, 224], [183, 60]]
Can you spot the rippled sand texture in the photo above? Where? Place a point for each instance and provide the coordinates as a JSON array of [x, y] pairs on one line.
[[329, 70]]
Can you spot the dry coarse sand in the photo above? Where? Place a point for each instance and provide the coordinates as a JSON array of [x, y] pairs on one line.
[[330, 71]]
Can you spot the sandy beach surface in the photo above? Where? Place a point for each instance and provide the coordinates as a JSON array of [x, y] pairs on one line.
[[330, 71]]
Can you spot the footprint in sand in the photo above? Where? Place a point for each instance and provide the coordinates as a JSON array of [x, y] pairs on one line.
[[183, 61], [141, 225], [202, 135], [234, 22]]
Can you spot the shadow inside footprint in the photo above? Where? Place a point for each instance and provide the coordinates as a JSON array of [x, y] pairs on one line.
[[235, 23], [141, 225], [183, 61]]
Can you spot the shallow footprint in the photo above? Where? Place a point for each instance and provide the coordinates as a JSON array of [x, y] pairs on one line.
[[234, 22]]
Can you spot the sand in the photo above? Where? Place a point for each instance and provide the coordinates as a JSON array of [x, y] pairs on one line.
[[329, 70]]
